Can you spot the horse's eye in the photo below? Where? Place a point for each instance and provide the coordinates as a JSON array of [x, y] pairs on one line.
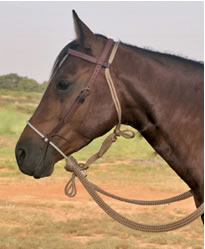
[[63, 85]]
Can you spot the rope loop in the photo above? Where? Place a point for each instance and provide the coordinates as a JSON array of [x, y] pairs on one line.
[[125, 133], [71, 162], [70, 188]]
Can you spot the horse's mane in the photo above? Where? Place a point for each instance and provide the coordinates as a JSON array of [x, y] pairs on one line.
[[74, 44], [153, 52]]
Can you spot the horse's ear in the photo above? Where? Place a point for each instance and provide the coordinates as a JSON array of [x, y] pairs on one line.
[[84, 35]]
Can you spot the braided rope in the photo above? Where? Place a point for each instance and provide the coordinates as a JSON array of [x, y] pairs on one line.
[[73, 165], [71, 191], [180, 197]]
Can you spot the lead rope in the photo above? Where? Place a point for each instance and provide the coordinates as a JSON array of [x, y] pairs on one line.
[[78, 170], [70, 188], [73, 166]]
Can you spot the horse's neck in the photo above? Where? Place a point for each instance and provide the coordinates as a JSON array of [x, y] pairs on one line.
[[157, 99]]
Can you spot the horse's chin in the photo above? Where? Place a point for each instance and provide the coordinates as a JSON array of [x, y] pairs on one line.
[[44, 172]]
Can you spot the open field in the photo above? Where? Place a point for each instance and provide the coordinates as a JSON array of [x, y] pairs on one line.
[[35, 214]]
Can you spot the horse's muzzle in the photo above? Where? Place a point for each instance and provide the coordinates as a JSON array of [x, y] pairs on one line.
[[34, 160]]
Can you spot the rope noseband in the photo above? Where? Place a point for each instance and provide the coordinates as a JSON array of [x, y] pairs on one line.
[[79, 169]]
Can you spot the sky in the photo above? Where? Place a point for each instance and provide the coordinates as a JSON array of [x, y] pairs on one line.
[[33, 33]]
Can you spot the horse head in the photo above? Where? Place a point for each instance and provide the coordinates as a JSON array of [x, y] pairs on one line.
[[94, 118]]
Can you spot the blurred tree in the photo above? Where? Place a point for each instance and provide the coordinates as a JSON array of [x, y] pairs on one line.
[[17, 83], [9, 81]]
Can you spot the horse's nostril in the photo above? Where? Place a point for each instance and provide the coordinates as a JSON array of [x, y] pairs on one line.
[[20, 155]]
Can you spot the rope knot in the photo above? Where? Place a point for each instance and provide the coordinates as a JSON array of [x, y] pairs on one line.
[[117, 133], [68, 167], [83, 166], [127, 133]]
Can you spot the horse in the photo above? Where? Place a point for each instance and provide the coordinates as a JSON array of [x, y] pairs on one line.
[[161, 96]]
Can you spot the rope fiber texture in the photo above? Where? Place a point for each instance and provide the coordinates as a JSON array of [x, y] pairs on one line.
[[73, 165]]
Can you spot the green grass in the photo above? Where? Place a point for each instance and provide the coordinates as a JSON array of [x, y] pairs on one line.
[[12, 122]]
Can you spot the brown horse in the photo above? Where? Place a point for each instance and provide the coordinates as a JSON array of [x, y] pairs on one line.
[[161, 96]]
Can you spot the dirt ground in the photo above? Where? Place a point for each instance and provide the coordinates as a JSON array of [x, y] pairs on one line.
[[44, 190], [47, 196]]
